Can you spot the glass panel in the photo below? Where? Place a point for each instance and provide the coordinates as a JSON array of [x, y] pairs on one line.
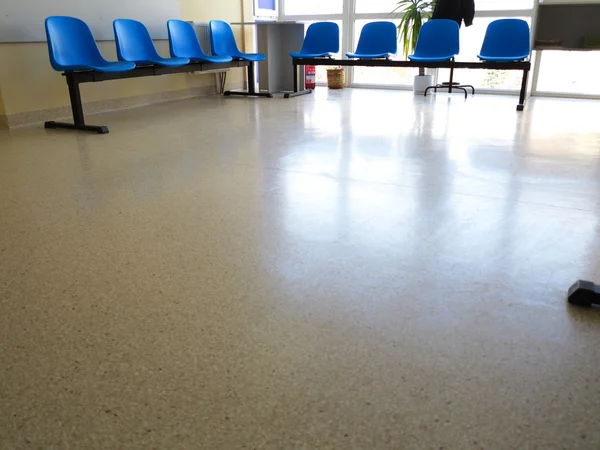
[[569, 72], [375, 6], [387, 6], [313, 7], [502, 5]]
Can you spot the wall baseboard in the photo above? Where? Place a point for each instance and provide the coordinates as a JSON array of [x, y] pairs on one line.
[[102, 106]]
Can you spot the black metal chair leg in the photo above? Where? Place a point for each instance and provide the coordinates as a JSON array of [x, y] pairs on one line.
[[523, 93], [251, 92], [100, 129], [77, 110], [427, 89], [298, 90]]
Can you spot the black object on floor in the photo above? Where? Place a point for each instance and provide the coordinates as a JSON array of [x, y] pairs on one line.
[[584, 293]]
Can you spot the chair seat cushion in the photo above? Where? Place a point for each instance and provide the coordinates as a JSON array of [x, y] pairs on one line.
[[211, 59], [254, 57], [165, 62], [368, 56], [300, 55], [492, 58], [111, 67], [431, 59], [171, 62]]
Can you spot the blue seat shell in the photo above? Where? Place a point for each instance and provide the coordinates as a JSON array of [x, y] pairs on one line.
[[135, 44], [72, 47], [222, 42], [377, 40], [437, 41], [506, 40], [322, 40], [184, 43]]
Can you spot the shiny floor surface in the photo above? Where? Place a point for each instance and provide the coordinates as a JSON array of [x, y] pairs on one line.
[[348, 270]]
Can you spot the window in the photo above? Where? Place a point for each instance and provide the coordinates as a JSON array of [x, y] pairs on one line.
[[352, 15], [376, 6], [471, 39], [503, 5], [569, 72], [313, 7]]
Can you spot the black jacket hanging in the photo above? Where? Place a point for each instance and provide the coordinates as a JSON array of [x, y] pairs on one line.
[[457, 10]]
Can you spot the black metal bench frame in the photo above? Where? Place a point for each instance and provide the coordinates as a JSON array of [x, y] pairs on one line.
[[524, 66], [74, 79]]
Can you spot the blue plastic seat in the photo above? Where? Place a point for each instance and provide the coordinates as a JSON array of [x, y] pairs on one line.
[[223, 43], [322, 40], [184, 43], [377, 40], [72, 47], [438, 41], [135, 44], [506, 40]]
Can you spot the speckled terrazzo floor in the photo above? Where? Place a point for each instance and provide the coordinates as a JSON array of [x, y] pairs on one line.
[[317, 273]]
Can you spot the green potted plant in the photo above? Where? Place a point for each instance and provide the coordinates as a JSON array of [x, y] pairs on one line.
[[414, 14]]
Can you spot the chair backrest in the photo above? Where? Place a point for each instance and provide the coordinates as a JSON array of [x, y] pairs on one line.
[[438, 37], [133, 41], [507, 38], [378, 37], [71, 43], [183, 41], [322, 37], [222, 40]]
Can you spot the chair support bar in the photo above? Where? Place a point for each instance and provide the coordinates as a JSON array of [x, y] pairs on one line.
[[298, 92], [77, 109], [74, 79], [251, 92], [524, 66]]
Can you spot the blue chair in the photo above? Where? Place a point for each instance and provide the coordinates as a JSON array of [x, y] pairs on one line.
[[223, 43], [377, 40], [506, 40], [322, 40], [135, 44], [72, 47], [439, 41], [183, 43]]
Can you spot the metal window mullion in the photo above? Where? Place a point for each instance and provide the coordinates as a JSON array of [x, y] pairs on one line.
[[348, 26], [537, 55]]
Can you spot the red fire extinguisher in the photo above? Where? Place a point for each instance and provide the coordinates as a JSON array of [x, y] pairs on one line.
[[310, 77]]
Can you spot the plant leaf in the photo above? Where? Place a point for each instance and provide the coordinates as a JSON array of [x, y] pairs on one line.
[[414, 12]]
